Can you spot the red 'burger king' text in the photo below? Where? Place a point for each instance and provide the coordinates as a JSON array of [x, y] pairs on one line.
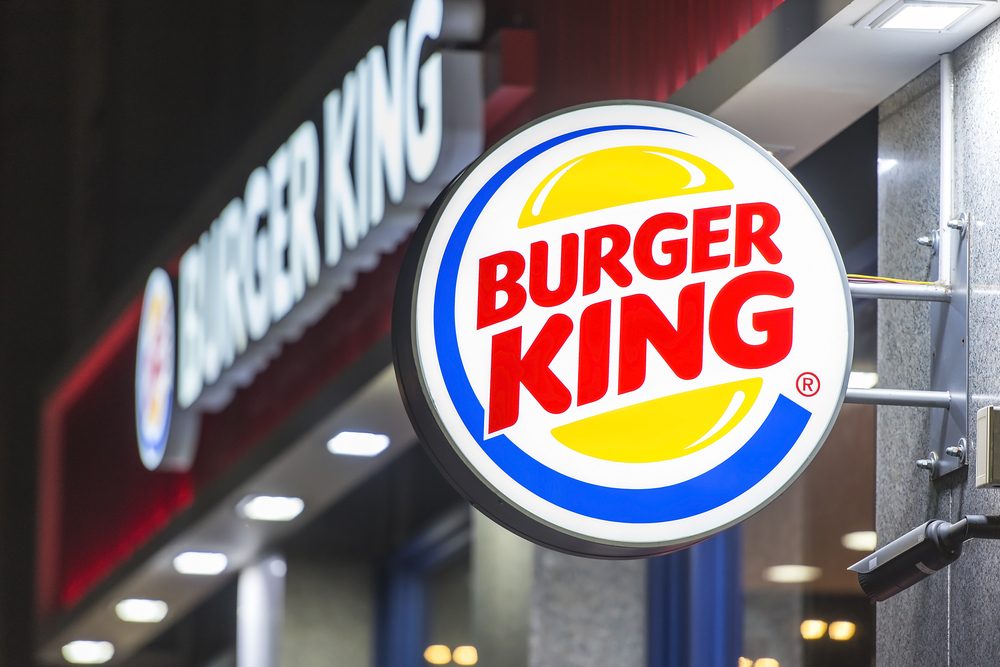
[[715, 238]]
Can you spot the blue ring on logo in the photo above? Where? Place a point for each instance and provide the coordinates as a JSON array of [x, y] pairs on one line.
[[733, 477]]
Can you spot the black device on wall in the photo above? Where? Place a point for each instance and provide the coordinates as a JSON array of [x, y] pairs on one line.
[[919, 554]]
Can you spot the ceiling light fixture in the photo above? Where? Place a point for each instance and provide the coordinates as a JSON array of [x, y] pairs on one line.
[[138, 610], [356, 443], [88, 652], [919, 15], [792, 574], [204, 563], [841, 631], [812, 628], [465, 655], [270, 508], [860, 540], [437, 654]]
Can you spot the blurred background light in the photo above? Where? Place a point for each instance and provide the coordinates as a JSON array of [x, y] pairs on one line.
[[138, 610]]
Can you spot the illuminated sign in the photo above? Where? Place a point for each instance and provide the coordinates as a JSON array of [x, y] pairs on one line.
[[243, 287], [154, 369], [623, 329]]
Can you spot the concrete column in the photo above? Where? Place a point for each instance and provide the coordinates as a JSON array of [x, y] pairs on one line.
[[587, 612], [540, 608], [502, 577], [329, 613]]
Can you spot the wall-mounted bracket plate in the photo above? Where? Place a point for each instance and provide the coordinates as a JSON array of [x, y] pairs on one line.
[[949, 322]]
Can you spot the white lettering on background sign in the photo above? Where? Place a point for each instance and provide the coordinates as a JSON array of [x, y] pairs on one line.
[[264, 251]]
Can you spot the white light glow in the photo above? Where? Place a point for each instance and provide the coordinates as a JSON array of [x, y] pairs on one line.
[[278, 567], [862, 380], [355, 443], [792, 574], [138, 610], [465, 655], [270, 508], [886, 164], [861, 540], [766, 662], [934, 16], [200, 562], [812, 628], [86, 652], [841, 631]]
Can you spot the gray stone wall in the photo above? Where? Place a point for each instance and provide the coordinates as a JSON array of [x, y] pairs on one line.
[[947, 619], [329, 613], [539, 608]]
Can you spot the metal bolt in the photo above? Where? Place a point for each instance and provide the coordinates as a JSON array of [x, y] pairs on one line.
[[929, 240], [957, 223], [925, 464], [957, 451]]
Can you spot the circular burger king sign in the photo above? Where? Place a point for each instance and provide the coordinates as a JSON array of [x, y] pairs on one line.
[[623, 329]]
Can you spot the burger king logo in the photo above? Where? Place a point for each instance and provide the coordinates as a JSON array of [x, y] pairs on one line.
[[167, 435], [623, 329], [154, 377]]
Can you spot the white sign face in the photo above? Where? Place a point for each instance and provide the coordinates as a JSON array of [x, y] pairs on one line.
[[630, 324]]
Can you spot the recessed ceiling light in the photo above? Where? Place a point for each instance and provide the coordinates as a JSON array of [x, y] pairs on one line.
[[860, 540], [919, 15], [792, 574], [437, 654], [87, 652], [200, 562], [270, 508], [841, 631], [356, 443], [862, 380], [465, 655], [812, 628], [138, 610]]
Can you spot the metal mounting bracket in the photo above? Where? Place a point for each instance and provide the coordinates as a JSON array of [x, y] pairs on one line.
[[950, 354], [948, 299]]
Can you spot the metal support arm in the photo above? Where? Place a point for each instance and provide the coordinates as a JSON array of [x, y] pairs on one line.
[[911, 397], [901, 291]]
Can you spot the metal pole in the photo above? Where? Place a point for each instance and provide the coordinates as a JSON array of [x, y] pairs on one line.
[[910, 397], [945, 261], [900, 291], [260, 609]]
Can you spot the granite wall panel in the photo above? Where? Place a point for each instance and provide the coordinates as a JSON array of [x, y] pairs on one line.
[[947, 619]]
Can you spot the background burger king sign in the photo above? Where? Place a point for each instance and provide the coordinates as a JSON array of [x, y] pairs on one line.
[[624, 328]]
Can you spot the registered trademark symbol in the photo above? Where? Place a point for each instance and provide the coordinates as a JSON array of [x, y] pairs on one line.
[[808, 384]]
